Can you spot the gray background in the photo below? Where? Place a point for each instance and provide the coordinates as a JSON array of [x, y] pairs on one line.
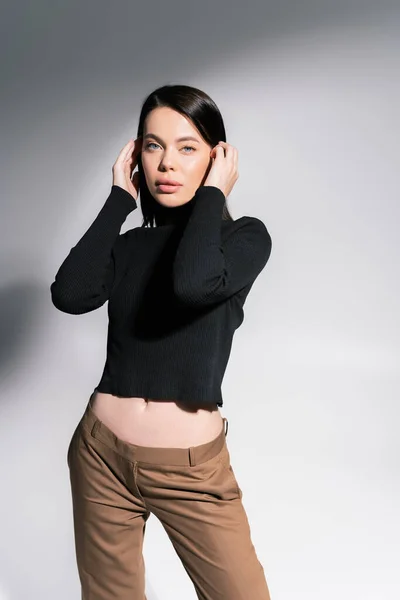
[[310, 94]]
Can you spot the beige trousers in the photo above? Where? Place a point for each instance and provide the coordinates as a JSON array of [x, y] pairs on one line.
[[194, 493]]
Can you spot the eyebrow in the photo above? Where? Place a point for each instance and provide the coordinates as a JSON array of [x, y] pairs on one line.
[[180, 139]]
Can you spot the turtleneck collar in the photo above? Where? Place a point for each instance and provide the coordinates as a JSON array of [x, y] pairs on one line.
[[173, 215]]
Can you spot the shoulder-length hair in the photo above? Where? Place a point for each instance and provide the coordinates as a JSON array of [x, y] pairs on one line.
[[197, 106]]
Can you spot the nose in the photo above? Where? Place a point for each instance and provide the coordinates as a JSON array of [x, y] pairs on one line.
[[167, 161]]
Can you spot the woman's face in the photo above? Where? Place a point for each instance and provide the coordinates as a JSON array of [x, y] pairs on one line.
[[164, 155]]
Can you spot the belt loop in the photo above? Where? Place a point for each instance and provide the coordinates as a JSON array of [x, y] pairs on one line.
[[192, 459], [95, 428]]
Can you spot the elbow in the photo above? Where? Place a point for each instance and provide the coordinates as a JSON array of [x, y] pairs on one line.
[[74, 304], [201, 294], [188, 296]]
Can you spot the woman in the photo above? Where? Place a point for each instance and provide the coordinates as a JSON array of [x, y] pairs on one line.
[[152, 437]]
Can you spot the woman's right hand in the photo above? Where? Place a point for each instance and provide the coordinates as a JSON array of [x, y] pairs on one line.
[[124, 166]]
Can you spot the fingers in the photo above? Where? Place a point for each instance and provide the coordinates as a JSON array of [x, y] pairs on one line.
[[132, 146], [126, 151], [229, 149], [230, 152]]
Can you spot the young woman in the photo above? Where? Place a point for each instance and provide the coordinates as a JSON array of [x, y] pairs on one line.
[[152, 438]]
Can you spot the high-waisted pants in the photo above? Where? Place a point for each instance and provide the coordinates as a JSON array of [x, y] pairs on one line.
[[194, 493]]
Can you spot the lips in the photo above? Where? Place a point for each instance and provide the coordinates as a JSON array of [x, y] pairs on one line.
[[168, 189], [171, 182]]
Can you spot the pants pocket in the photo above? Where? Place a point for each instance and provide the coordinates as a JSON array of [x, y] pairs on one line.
[[229, 472], [223, 486]]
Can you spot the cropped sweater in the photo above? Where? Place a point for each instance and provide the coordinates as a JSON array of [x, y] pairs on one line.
[[175, 293]]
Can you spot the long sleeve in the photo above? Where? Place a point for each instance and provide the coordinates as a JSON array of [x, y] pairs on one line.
[[207, 271], [85, 278]]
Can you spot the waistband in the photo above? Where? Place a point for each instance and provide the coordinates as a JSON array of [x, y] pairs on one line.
[[193, 455]]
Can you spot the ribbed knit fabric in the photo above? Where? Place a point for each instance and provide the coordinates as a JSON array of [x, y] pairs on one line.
[[175, 294]]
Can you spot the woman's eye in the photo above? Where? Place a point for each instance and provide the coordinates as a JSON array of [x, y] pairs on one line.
[[154, 144]]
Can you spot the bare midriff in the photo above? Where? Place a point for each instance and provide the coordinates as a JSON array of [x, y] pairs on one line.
[[157, 423]]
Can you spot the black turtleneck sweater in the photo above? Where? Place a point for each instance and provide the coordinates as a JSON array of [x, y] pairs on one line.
[[175, 293]]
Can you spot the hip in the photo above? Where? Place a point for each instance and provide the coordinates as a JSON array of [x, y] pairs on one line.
[[157, 423]]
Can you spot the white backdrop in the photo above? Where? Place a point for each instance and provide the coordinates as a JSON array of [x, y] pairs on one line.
[[310, 98]]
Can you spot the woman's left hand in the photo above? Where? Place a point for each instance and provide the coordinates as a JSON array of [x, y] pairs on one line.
[[224, 168]]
